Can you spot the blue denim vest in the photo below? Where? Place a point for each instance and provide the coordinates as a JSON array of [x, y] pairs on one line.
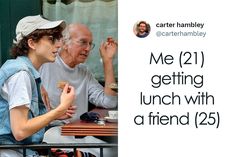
[[37, 107]]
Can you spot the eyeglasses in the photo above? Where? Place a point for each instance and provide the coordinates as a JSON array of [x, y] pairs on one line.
[[85, 44], [53, 39]]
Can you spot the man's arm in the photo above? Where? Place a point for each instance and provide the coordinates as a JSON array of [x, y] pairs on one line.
[[70, 111], [22, 127], [108, 50]]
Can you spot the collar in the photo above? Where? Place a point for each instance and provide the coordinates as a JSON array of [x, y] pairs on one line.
[[29, 64]]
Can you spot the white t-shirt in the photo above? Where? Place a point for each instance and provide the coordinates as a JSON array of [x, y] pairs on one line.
[[17, 91], [86, 86]]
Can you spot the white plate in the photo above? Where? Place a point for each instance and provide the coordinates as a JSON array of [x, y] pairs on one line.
[[109, 119]]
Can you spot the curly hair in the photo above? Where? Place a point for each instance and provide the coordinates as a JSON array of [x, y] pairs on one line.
[[146, 24], [141, 22], [22, 48]]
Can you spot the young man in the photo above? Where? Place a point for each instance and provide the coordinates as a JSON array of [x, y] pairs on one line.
[[142, 29], [22, 112], [69, 67]]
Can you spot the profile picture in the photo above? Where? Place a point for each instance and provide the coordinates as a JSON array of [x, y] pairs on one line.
[[141, 29]]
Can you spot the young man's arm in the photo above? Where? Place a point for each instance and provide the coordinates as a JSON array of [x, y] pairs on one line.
[[22, 127]]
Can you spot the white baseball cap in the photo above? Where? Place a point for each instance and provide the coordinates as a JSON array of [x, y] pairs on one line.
[[30, 23]]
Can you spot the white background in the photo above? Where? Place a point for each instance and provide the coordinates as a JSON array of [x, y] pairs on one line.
[[135, 73]]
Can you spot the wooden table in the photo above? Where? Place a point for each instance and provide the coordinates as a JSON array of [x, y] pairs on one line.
[[82, 128]]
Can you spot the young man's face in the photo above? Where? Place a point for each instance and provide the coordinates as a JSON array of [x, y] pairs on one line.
[[142, 28], [46, 49]]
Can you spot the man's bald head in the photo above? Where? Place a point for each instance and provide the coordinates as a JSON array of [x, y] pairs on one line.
[[75, 30]]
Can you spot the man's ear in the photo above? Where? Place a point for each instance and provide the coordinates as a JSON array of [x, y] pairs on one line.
[[31, 44]]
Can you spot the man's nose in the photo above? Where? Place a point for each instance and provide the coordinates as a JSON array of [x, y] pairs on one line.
[[87, 48], [58, 43]]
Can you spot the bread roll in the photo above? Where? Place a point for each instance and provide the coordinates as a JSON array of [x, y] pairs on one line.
[[110, 40], [61, 84]]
